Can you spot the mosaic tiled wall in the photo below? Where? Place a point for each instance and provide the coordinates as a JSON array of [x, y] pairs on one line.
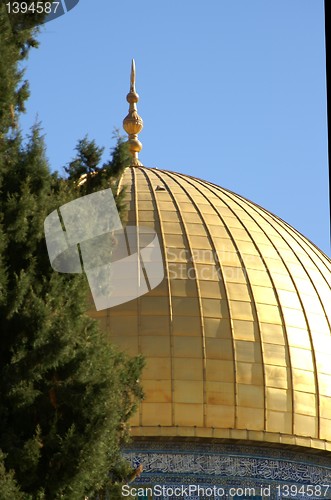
[[256, 472]]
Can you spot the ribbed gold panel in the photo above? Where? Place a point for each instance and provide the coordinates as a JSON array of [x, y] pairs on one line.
[[237, 338]]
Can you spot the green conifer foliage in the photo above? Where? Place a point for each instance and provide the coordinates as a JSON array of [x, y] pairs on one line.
[[8, 485], [66, 394], [15, 43]]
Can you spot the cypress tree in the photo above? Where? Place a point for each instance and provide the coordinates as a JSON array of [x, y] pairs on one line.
[[66, 394]]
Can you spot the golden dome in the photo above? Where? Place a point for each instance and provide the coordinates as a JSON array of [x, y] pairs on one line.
[[237, 336]]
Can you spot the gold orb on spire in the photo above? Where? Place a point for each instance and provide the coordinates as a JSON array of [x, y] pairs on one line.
[[133, 123]]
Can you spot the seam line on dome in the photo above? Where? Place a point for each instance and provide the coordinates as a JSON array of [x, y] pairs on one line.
[[189, 246], [311, 335], [312, 347], [232, 239], [148, 174], [135, 194], [262, 342], [219, 270]]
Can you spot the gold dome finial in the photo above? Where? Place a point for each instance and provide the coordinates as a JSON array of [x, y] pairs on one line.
[[132, 123]]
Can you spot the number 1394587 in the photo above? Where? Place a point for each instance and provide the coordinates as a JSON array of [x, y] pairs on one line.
[[32, 7]]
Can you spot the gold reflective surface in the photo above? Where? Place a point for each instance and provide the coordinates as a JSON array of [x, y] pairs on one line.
[[237, 337]]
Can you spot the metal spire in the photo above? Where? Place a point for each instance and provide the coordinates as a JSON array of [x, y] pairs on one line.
[[132, 123]]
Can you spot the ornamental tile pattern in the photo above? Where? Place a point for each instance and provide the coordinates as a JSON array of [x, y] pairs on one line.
[[232, 466]]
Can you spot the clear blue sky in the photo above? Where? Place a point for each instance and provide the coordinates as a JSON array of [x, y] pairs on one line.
[[231, 91]]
